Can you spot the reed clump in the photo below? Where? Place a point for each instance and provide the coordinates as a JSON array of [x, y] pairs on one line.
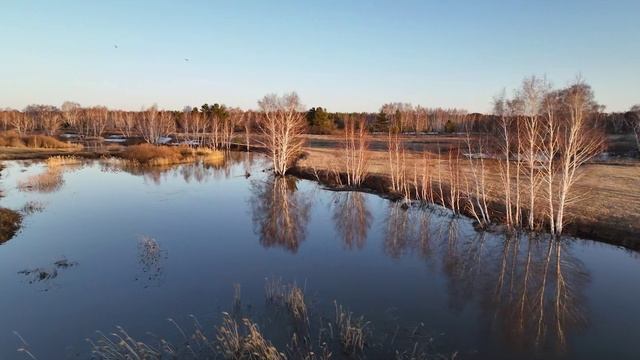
[[352, 330], [288, 295], [244, 342]]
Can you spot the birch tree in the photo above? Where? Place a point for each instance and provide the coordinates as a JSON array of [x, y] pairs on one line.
[[282, 125]]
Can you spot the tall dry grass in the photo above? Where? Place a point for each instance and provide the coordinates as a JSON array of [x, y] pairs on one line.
[[13, 139]]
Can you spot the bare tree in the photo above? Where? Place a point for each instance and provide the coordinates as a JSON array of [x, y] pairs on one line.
[[282, 123], [532, 94], [635, 123], [235, 116], [356, 155], [70, 113], [247, 125], [500, 108], [579, 141], [154, 124]]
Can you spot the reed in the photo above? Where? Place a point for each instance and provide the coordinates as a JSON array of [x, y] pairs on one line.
[[353, 331]]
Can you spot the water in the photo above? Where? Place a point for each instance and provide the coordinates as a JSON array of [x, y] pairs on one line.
[[112, 246]]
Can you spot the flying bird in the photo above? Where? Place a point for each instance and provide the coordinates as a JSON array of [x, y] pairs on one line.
[[185, 59], [115, 46]]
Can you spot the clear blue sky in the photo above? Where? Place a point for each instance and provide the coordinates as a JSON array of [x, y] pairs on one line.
[[344, 55]]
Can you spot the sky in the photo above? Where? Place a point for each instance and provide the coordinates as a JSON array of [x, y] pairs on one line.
[[344, 55]]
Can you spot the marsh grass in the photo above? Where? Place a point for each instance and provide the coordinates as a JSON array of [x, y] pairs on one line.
[[287, 295], [63, 161], [154, 155], [245, 341], [353, 331], [158, 155]]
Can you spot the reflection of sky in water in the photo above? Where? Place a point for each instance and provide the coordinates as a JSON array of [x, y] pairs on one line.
[[212, 239]]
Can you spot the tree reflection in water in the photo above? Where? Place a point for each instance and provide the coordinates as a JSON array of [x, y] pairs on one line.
[[200, 171], [280, 212], [407, 230], [530, 287], [352, 218]]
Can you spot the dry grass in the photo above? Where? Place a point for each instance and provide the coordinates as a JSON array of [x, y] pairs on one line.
[[158, 155], [288, 295], [154, 155], [63, 160], [12, 139], [352, 330], [244, 343]]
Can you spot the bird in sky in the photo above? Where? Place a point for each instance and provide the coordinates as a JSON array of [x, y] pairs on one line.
[[185, 59], [115, 46]]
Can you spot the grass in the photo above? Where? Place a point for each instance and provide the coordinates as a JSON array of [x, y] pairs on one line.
[[10, 222], [13, 139]]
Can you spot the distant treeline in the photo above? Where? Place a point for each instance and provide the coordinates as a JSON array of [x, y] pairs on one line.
[[217, 119]]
